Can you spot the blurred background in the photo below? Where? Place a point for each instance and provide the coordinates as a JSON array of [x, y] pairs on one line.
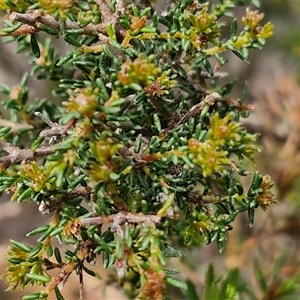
[[268, 254]]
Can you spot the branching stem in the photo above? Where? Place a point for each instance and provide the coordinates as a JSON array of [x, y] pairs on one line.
[[17, 155], [197, 109], [32, 19], [121, 218]]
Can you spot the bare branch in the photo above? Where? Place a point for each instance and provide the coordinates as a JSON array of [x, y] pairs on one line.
[[117, 221], [33, 18], [106, 15], [217, 74], [56, 130], [17, 155], [121, 218], [45, 119], [104, 9], [197, 109]]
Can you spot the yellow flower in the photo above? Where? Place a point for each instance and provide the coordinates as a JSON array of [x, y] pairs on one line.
[[139, 71], [208, 156], [224, 130], [84, 101], [267, 197], [252, 18], [104, 150], [20, 5], [36, 175], [62, 6], [266, 31]]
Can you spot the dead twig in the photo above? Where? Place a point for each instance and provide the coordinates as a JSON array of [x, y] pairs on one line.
[[121, 218], [56, 130], [197, 109], [33, 19], [17, 155]]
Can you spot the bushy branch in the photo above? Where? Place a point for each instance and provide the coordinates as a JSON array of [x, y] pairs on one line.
[[143, 137]]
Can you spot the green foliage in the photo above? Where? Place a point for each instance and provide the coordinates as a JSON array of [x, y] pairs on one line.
[[228, 288], [141, 135], [233, 286]]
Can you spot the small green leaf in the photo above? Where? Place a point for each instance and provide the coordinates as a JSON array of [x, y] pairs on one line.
[[70, 56], [49, 250], [145, 11], [208, 67], [177, 283], [148, 29], [157, 123], [35, 46], [105, 259], [57, 231], [10, 29], [114, 176], [40, 278], [238, 53], [145, 243], [58, 294], [22, 246], [251, 216], [15, 260], [37, 142], [256, 3], [125, 23], [57, 255], [72, 41], [233, 28], [33, 296], [111, 32], [136, 87], [36, 250], [48, 30], [191, 293], [4, 130], [88, 271], [25, 195], [171, 271]]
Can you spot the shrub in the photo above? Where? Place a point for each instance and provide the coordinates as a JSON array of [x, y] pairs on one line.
[[139, 134]]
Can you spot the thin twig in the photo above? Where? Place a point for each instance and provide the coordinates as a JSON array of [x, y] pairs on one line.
[[60, 279], [218, 74], [104, 9], [45, 119], [121, 218], [17, 155], [33, 18], [117, 221], [197, 109], [56, 130]]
